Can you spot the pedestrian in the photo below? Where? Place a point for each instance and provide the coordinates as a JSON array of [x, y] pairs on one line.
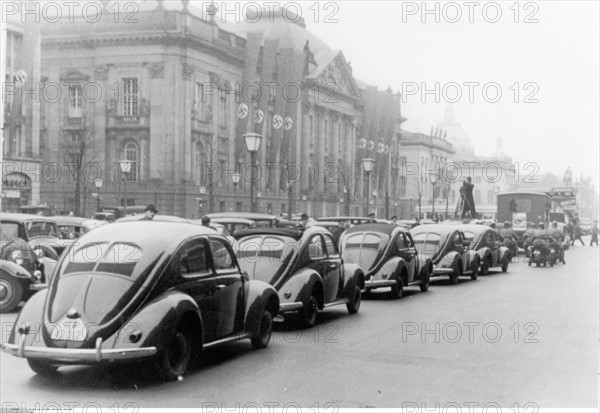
[[594, 234], [149, 213], [337, 232], [466, 191], [303, 221], [206, 221], [371, 218], [576, 234], [394, 220]]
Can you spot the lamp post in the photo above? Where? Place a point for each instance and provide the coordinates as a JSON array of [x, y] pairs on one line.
[[252, 144], [304, 199], [433, 179], [235, 178], [347, 206], [125, 166], [410, 208], [290, 188], [368, 164], [98, 183]]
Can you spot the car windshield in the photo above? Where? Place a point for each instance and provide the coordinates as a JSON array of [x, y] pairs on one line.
[[9, 231], [427, 243], [363, 248], [263, 256], [117, 258], [70, 231], [40, 229]]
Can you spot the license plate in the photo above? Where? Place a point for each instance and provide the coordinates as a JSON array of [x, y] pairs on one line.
[[69, 329]]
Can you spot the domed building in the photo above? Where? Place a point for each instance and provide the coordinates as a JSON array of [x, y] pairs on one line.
[[456, 135]]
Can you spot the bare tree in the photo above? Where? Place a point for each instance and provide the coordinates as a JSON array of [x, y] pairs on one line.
[[80, 152]]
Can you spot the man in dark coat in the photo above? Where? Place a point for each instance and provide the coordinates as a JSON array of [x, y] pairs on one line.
[[594, 234], [466, 192], [576, 234], [149, 213]]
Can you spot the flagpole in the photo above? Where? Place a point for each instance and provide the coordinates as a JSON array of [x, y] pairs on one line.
[[3, 38]]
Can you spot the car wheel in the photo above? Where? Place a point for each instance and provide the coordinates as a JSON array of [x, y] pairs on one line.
[[308, 314], [424, 286], [475, 270], [265, 331], [505, 264], [456, 272], [485, 267], [537, 264], [529, 263], [11, 293], [174, 359], [42, 367], [354, 304], [398, 288]]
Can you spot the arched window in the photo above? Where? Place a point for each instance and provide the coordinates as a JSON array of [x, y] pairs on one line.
[[198, 161], [131, 151]]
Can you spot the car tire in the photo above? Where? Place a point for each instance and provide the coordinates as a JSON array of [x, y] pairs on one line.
[[42, 367], [265, 331], [11, 293], [505, 262], [456, 272], [485, 267], [397, 289], [529, 263], [354, 304], [424, 286], [475, 270], [174, 360], [308, 313], [537, 264]]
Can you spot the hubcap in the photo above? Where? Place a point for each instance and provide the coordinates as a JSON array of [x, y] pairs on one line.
[[5, 291], [177, 350]]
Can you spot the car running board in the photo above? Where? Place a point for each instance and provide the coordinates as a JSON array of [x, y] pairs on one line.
[[336, 302], [229, 339]]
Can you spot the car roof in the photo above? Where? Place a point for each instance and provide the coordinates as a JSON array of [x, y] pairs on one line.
[[474, 228], [340, 218], [17, 217], [441, 229], [156, 218], [375, 227], [62, 220], [147, 233], [231, 220], [247, 215], [287, 232]]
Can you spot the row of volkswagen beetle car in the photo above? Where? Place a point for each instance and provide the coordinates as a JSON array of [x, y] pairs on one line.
[[162, 290]]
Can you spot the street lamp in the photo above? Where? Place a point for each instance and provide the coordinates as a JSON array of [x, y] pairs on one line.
[[125, 166], [410, 208], [252, 144], [433, 179], [235, 178], [368, 164], [290, 187], [98, 183]]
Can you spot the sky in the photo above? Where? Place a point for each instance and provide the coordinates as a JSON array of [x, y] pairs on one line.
[[553, 63], [525, 72]]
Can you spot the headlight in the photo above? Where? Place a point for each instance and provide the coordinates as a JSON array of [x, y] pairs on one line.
[[17, 257], [552, 251]]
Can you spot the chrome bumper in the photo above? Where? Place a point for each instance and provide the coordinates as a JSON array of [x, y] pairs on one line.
[[285, 307], [442, 271], [379, 283], [83, 355]]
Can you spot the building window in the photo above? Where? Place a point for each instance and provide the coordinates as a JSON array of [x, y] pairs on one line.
[[200, 103], [491, 197], [222, 207], [130, 96], [75, 101], [402, 186], [239, 206], [74, 136], [311, 134], [477, 196], [198, 157], [326, 134], [283, 208], [224, 112], [132, 153]]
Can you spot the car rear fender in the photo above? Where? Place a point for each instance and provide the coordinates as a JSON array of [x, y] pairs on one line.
[[300, 285], [504, 253], [353, 275], [30, 317], [390, 270], [471, 257], [485, 254], [425, 264], [259, 296], [15, 270], [157, 320], [448, 260]]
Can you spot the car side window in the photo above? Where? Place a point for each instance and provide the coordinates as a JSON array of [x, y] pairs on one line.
[[330, 245], [316, 249], [221, 256], [457, 239], [408, 241], [193, 258]]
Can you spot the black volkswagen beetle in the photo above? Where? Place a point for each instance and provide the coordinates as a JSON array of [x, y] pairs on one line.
[[156, 290], [305, 268], [388, 256], [486, 242], [448, 249]]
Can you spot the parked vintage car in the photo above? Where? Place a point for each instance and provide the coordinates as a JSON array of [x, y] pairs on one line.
[[260, 220], [305, 268], [143, 290], [487, 243], [22, 272], [74, 227], [388, 256], [448, 249], [234, 224], [40, 232]]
